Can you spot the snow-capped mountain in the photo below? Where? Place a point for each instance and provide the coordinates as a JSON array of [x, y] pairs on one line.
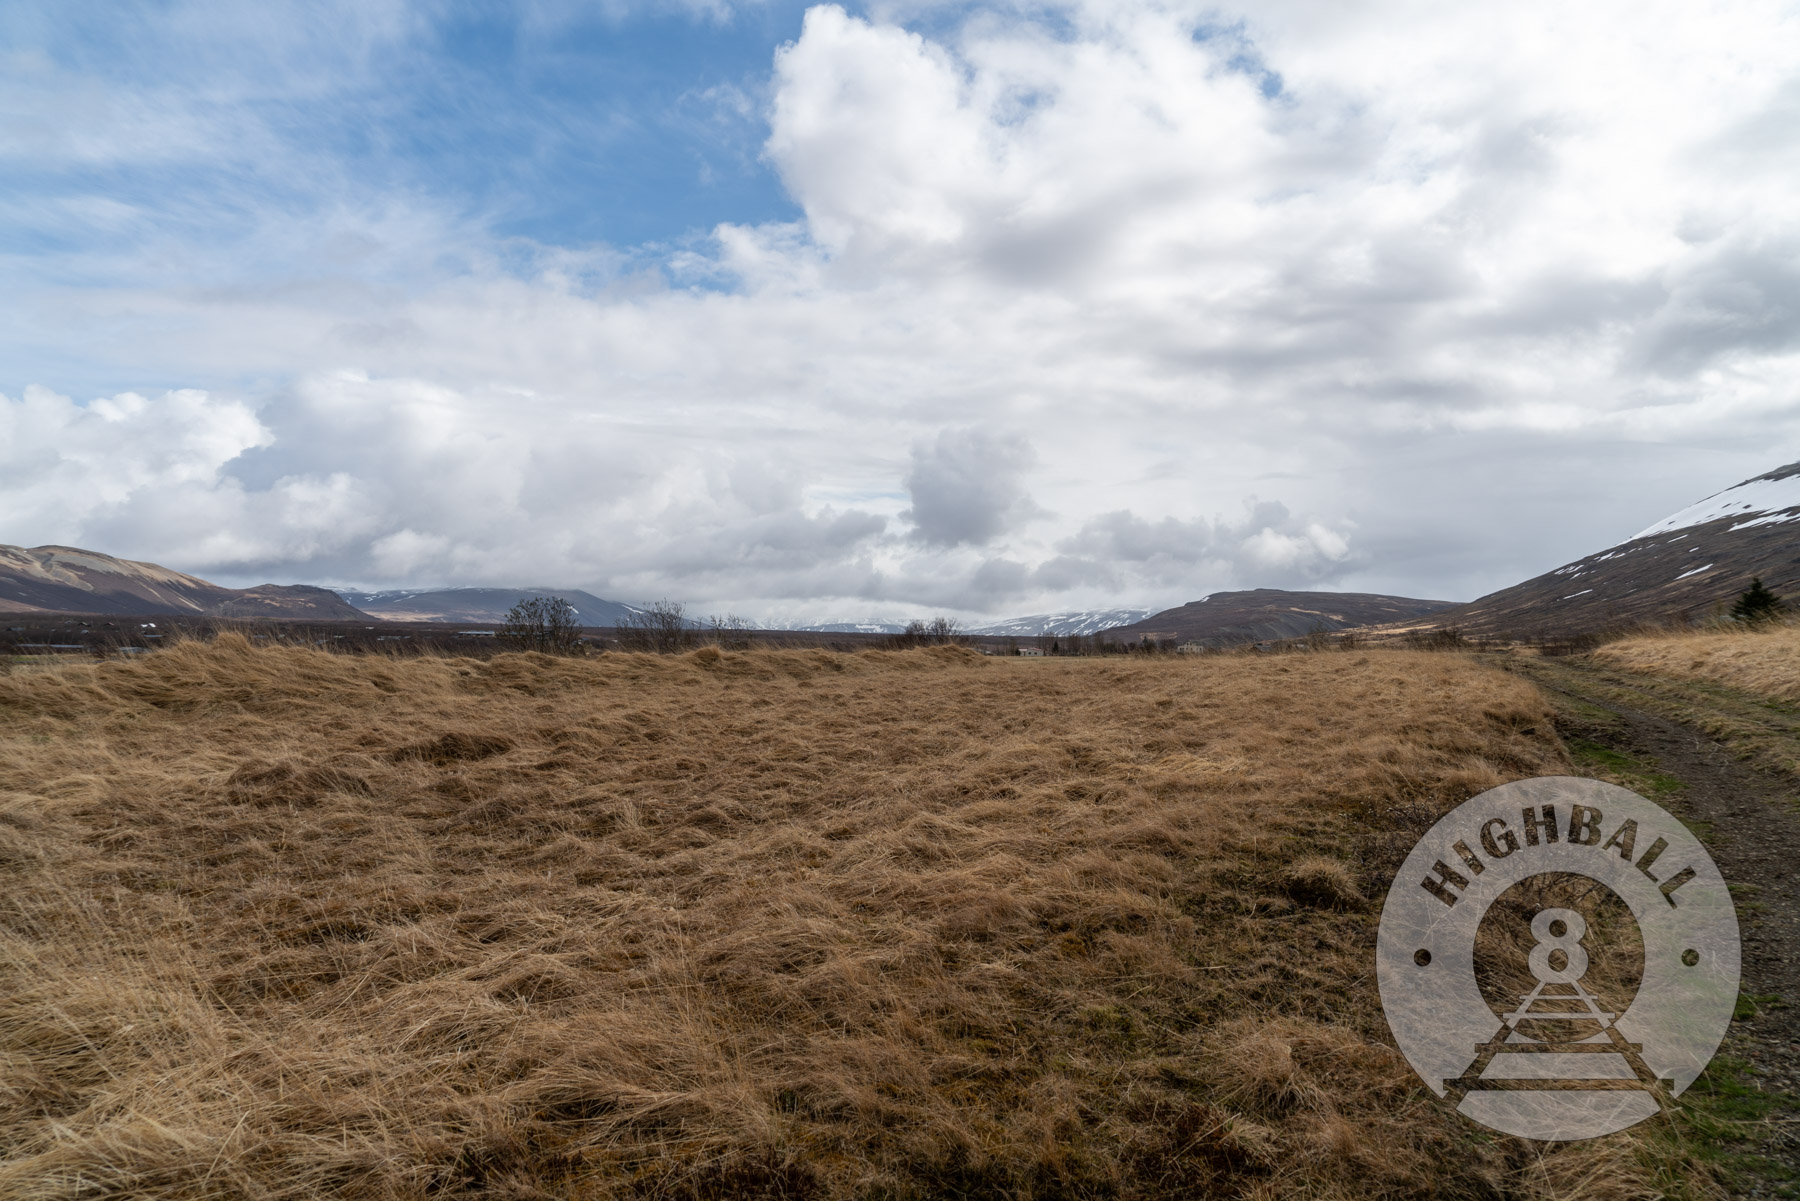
[[1687, 566], [1086, 621], [871, 626]]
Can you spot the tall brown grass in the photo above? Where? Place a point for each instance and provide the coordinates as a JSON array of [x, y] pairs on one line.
[[1764, 660], [276, 923]]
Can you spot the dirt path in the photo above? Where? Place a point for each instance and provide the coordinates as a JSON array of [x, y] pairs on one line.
[[1722, 761]]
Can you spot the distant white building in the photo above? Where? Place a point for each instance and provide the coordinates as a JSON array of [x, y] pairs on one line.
[[1035, 652]]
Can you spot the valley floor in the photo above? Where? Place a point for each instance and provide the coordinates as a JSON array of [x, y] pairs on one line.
[[787, 924]]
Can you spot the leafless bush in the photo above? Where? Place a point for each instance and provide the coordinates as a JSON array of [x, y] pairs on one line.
[[1447, 639], [662, 628], [543, 623], [939, 631], [730, 632]]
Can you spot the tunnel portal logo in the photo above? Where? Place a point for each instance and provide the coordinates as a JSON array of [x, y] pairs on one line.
[[1558, 958]]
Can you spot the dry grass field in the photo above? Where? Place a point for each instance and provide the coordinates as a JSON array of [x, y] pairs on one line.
[[278, 923], [1761, 661]]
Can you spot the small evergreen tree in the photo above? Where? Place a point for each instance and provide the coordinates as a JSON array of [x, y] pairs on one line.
[[1756, 604], [543, 623]]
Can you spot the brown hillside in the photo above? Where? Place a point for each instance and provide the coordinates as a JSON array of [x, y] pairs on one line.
[[66, 579], [1681, 570], [1259, 614], [1681, 576]]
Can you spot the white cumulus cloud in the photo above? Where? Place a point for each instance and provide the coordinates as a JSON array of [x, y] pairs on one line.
[[1461, 292]]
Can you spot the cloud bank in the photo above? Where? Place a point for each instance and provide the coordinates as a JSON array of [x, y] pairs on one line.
[[1459, 294]]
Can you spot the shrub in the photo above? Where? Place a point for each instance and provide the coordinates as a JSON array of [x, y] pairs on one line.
[[543, 623], [663, 628], [1449, 638], [730, 632], [939, 631]]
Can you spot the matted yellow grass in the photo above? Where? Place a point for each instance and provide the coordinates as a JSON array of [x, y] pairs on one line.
[[1764, 661], [277, 923]]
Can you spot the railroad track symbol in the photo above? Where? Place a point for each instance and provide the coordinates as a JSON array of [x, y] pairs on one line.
[[1600, 1059]]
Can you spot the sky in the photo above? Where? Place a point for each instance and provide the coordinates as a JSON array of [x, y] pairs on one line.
[[817, 313]]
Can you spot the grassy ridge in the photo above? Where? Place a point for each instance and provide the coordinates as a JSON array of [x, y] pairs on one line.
[[278, 923], [1737, 687], [1763, 662]]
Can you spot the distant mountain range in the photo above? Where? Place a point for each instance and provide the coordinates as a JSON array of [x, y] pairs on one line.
[[481, 604], [1686, 566], [64, 579], [1087, 621], [1682, 568], [1265, 614]]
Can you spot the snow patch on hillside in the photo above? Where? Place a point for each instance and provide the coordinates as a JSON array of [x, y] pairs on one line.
[[1771, 519], [1772, 493]]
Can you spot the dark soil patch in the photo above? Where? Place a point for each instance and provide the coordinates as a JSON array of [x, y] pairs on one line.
[[454, 747]]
